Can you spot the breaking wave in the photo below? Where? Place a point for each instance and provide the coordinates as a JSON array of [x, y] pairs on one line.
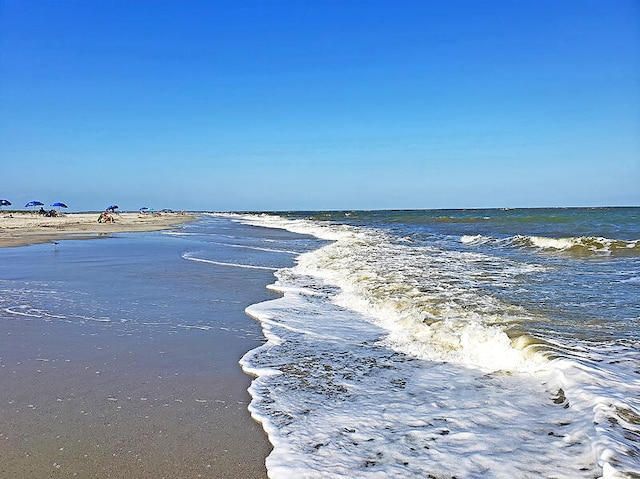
[[579, 245]]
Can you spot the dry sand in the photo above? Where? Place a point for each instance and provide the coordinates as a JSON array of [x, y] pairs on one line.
[[23, 228]]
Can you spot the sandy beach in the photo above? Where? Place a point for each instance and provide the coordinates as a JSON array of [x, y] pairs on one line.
[[23, 228]]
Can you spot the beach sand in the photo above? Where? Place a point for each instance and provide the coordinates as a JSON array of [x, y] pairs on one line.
[[105, 400], [75, 403], [23, 228]]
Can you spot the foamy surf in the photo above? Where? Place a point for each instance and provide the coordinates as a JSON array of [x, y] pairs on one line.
[[415, 321]]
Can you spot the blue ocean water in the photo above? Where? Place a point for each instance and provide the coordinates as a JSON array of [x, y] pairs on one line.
[[453, 343]]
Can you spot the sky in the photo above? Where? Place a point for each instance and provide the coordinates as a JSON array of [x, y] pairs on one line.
[[329, 104]]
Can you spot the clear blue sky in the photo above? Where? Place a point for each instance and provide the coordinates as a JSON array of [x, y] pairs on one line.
[[335, 104]]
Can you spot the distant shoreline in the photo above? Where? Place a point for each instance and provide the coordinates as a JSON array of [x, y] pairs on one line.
[[26, 228]]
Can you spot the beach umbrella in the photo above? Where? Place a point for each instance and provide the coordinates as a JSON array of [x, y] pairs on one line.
[[34, 204], [143, 209], [5, 203], [112, 208], [59, 205]]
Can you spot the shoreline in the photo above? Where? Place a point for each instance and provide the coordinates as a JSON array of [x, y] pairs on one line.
[[88, 394], [27, 228]]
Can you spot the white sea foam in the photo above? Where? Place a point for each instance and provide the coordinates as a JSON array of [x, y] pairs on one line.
[[474, 239], [551, 243], [190, 326], [189, 257], [257, 248], [633, 279], [24, 311], [337, 402], [387, 282], [102, 319], [378, 343]]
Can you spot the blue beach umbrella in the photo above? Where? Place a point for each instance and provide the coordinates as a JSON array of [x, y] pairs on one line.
[[143, 209], [112, 208], [59, 205], [4, 203], [34, 204]]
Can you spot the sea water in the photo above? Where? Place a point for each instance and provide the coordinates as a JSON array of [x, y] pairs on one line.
[[169, 281], [461, 343]]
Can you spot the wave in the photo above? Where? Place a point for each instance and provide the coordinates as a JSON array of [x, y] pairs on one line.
[[414, 294], [476, 239], [582, 245], [578, 245], [429, 303]]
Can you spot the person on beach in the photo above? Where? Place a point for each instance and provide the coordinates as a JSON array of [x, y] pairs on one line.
[[105, 218]]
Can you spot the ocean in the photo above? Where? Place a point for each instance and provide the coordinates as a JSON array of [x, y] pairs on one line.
[[452, 343], [501, 343]]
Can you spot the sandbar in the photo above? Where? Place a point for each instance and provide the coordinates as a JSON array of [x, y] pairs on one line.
[[25, 228]]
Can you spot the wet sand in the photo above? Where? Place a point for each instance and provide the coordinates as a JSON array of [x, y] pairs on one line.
[[106, 400], [77, 404], [23, 228]]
